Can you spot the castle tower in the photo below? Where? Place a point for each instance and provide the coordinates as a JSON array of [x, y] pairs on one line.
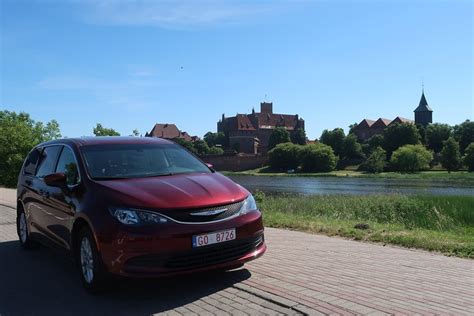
[[423, 113]]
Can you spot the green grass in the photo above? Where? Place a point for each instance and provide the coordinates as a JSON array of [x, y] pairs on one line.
[[443, 224], [458, 177]]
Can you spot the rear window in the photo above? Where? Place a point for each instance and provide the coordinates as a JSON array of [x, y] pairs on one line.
[[139, 160]]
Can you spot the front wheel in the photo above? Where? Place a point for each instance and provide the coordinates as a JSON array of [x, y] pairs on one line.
[[89, 262]]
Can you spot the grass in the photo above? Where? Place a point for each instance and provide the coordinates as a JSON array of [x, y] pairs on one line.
[[458, 177], [442, 224]]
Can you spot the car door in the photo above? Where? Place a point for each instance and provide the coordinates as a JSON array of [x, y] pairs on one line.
[[63, 202], [40, 208], [29, 188]]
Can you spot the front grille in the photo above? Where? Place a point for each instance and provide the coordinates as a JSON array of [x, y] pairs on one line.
[[186, 215], [198, 257]]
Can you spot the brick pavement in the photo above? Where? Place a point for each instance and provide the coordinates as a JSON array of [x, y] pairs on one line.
[[300, 274]]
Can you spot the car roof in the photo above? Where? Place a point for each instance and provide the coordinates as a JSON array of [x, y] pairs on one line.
[[103, 140]]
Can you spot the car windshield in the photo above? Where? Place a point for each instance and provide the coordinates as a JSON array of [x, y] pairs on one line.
[[139, 160]]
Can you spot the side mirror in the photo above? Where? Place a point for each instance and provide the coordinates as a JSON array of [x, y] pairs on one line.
[[56, 180]]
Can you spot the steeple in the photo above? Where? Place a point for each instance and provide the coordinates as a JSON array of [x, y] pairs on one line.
[[423, 113], [423, 106]]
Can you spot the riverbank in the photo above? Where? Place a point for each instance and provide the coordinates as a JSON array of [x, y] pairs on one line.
[[442, 224], [463, 177]]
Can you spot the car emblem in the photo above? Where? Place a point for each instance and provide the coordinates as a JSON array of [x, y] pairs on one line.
[[209, 213]]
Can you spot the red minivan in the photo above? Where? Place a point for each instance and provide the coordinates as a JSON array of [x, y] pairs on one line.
[[135, 207]]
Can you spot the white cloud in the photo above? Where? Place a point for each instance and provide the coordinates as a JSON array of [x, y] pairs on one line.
[[178, 13]]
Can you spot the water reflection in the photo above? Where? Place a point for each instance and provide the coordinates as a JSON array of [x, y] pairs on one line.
[[340, 185]]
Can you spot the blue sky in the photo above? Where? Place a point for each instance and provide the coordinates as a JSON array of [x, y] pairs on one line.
[[131, 64]]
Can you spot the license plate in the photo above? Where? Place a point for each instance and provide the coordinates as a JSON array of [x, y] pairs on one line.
[[213, 238]]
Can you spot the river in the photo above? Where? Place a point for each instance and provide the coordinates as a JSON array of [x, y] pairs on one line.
[[350, 185]]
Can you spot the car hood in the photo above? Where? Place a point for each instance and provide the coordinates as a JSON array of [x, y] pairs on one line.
[[175, 191]]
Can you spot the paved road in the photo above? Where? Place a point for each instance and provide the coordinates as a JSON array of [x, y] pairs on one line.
[[300, 274]]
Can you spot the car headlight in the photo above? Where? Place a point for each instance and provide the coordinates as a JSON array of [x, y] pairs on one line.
[[136, 217], [249, 205]]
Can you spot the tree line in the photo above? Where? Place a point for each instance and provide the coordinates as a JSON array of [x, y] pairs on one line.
[[402, 147]]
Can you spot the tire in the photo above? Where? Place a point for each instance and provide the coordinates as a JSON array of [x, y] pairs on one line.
[[23, 231], [89, 262]]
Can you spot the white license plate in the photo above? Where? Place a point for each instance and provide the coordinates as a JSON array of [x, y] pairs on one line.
[[213, 238]]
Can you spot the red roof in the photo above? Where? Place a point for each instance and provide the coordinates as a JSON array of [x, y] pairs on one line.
[[169, 131], [399, 119], [381, 122], [365, 123]]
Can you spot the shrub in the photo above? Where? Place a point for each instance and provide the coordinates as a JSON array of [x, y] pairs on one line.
[[318, 158], [215, 151], [469, 157], [411, 158], [450, 155], [285, 156], [376, 161]]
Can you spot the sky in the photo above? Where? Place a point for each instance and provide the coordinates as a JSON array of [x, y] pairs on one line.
[[131, 64]]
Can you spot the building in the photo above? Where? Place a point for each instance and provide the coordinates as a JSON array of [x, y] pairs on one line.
[[170, 131], [249, 133], [423, 113], [368, 128]]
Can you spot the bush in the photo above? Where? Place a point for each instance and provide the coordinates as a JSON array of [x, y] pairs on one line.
[[318, 158], [411, 158], [450, 155], [376, 161], [469, 157], [215, 151], [285, 156]]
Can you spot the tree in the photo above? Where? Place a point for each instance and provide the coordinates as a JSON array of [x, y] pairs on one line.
[[397, 135], [436, 134], [135, 133], [18, 135], [213, 139], [450, 155], [318, 158], [279, 135], [285, 156], [464, 134], [351, 148], [188, 145], [411, 158], [422, 131], [299, 137], [335, 139], [99, 130], [376, 162], [215, 151], [375, 141], [201, 147], [469, 157]]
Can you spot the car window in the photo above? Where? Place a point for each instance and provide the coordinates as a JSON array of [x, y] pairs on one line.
[[31, 162], [47, 161], [139, 160], [67, 165]]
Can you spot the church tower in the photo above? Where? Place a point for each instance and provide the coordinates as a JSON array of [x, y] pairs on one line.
[[423, 113]]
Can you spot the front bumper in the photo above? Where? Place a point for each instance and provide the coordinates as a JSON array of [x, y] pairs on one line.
[[167, 249]]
